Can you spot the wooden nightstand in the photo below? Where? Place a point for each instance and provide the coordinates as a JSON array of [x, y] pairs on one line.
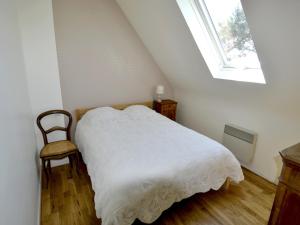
[[166, 107], [286, 207]]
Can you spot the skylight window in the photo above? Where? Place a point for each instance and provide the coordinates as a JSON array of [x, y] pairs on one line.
[[222, 34]]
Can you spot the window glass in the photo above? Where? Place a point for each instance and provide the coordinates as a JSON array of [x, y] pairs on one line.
[[228, 21]]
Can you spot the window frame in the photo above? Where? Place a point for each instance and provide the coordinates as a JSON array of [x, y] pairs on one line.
[[198, 19], [211, 29]]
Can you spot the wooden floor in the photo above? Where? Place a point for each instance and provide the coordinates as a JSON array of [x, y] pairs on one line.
[[69, 201]]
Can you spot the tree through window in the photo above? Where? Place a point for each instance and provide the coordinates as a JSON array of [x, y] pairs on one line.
[[229, 22], [222, 34]]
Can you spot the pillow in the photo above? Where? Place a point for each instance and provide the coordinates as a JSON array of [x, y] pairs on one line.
[[100, 114], [139, 112]]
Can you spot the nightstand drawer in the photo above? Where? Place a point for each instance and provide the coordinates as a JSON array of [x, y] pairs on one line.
[[169, 107], [166, 108], [169, 110], [170, 114]]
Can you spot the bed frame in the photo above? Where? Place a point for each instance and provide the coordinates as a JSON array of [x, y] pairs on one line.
[[226, 184], [81, 111]]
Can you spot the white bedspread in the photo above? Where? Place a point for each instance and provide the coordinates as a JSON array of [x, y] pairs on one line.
[[140, 163]]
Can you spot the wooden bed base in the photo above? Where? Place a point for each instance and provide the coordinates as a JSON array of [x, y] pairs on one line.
[[80, 112], [226, 184]]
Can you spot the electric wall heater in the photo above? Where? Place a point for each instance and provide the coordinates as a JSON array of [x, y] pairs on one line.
[[241, 142]]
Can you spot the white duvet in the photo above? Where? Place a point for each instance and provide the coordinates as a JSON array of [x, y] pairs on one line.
[[140, 163]]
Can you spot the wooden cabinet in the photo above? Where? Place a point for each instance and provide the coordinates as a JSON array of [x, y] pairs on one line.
[[166, 108], [286, 207]]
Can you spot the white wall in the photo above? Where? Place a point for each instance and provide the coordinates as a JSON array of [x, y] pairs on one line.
[[39, 47], [18, 169], [206, 104], [102, 61], [38, 39]]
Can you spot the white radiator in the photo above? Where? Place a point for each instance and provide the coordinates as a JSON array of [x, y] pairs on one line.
[[241, 142]]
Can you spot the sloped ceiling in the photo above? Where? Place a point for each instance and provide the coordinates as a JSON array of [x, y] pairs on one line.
[[206, 104], [101, 59], [163, 30]]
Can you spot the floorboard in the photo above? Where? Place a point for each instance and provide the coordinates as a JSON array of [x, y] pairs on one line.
[[69, 201]]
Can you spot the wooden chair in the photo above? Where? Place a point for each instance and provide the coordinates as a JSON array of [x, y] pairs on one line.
[[57, 149]]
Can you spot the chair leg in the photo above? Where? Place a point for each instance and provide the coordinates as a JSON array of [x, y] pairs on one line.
[[77, 163], [49, 167], [71, 166], [46, 172], [70, 161]]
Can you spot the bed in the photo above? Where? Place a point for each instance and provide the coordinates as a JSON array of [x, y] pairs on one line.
[[140, 162]]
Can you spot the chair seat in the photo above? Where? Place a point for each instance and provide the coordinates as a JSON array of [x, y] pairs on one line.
[[57, 148]]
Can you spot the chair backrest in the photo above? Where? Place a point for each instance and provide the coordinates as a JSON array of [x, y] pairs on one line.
[[55, 128]]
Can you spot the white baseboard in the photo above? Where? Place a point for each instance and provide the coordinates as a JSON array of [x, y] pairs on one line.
[[38, 222], [259, 174]]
